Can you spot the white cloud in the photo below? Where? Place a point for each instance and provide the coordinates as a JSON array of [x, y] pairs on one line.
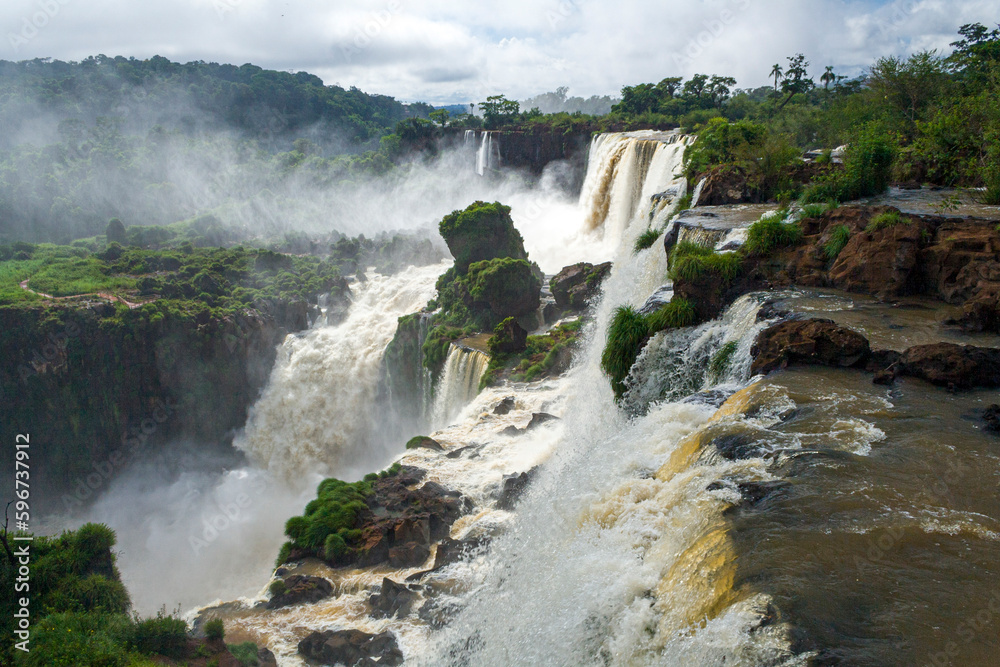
[[444, 50]]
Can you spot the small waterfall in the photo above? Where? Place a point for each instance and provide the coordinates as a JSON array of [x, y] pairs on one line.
[[702, 235], [488, 155], [463, 369], [696, 195]]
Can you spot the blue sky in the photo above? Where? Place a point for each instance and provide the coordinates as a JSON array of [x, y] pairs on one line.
[[445, 51]]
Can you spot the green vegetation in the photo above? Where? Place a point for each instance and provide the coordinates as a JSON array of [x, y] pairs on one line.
[[810, 211], [277, 588], [223, 280], [80, 609], [480, 232], [245, 653], [646, 240], [771, 233], [886, 220], [689, 261], [544, 355], [327, 529], [867, 170], [417, 441], [721, 360], [674, 315], [839, 237], [627, 333], [215, 629]]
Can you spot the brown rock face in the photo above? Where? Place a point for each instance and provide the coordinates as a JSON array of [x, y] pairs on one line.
[[724, 185], [881, 262], [575, 285], [817, 342], [956, 260], [950, 365]]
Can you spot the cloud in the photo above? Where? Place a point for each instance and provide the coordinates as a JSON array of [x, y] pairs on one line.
[[451, 51]]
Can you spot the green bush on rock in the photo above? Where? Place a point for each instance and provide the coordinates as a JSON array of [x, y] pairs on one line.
[[481, 232], [771, 233]]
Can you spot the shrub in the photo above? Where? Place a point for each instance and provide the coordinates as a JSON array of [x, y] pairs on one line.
[[162, 635], [626, 334], [327, 527], [885, 221], [645, 240], [215, 629], [839, 237], [678, 313], [277, 588], [868, 163], [72, 639], [771, 233], [507, 285], [245, 653]]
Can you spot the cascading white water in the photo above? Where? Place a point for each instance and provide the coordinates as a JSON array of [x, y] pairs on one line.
[[459, 383], [604, 563], [488, 155], [315, 411]]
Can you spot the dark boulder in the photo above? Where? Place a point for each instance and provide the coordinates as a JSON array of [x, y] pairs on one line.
[[352, 647], [951, 365], [574, 286], [392, 600], [539, 418], [301, 589], [991, 416], [512, 488], [410, 554], [423, 442], [509, 337], [801, 342], [504, 406]]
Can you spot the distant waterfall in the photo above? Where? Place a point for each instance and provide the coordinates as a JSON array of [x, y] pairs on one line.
[[463, 369], [488, 155]]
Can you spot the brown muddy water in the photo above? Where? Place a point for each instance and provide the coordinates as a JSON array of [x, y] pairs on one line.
[[880, 541]]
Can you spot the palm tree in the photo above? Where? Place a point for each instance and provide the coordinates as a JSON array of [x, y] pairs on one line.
[[776, 72], [828, 78]]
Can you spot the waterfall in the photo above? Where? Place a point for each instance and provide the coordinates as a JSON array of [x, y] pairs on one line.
[[316, 409], [605, 562], [696, 195], [463, 369], [488, 155]]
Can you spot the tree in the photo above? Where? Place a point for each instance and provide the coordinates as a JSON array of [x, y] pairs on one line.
[[719, 89], [440, 117], [498, 111], [696, 86], [796, 79], [828, 77], [977, 53], [776, 72], [668, 87], [115, 232], [909, 86]]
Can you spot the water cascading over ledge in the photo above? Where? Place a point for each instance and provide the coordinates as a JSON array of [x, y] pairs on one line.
[[459, 383]]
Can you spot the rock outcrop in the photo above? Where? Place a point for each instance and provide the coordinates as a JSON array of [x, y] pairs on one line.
[[950, 365], [300, 589], [392, 600], [351, 647], [575, 285], [808, 342]]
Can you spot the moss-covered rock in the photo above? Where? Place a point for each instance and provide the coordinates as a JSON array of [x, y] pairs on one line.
[[481, 232]]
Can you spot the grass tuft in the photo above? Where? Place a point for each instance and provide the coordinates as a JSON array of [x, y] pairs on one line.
[[721, 360], [690, 261], [674, 315], [626, 334], [885, 221], [646, 240], [771, 233], [839, 237]]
